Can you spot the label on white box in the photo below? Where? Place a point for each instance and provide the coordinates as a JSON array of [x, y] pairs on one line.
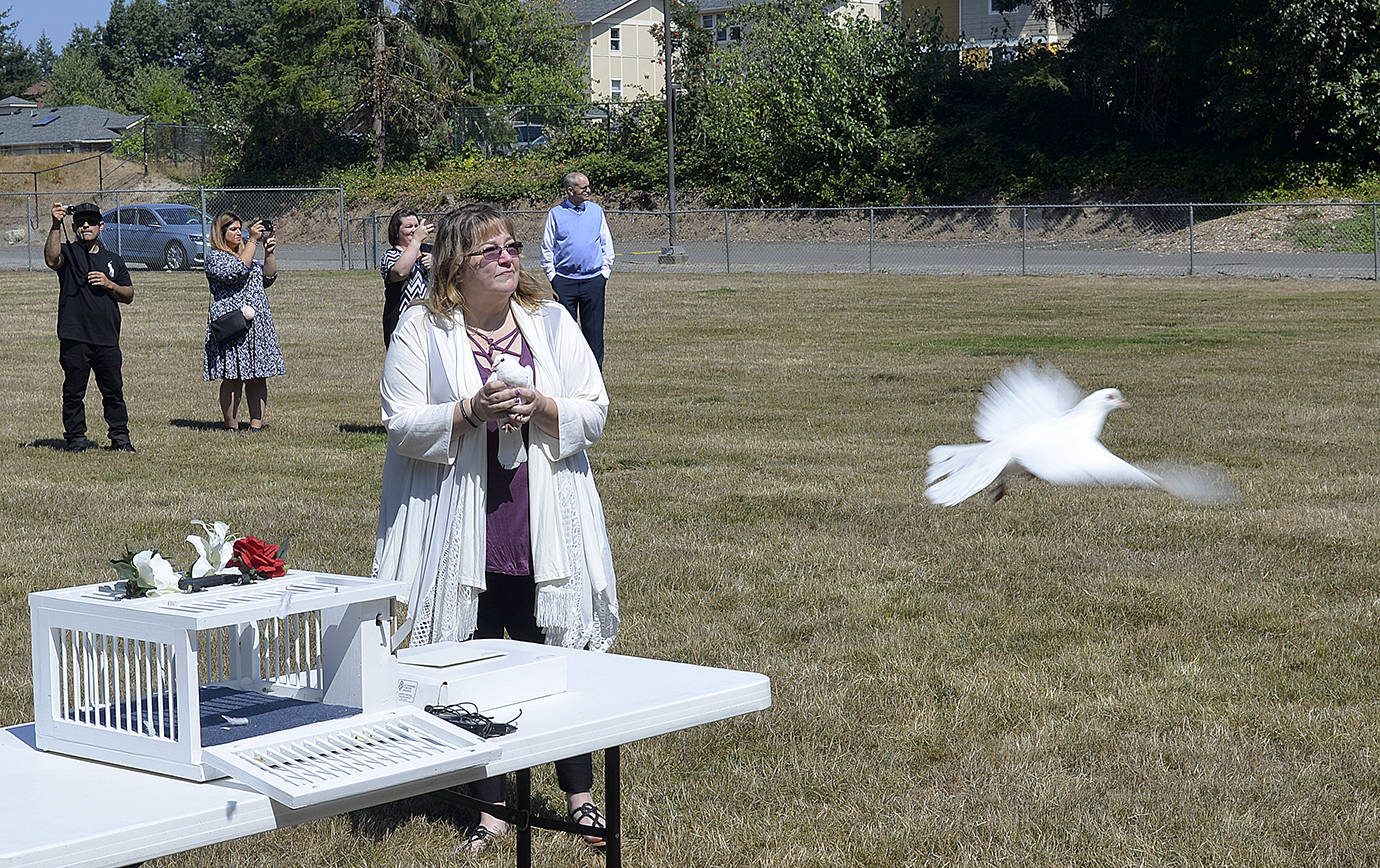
[[407, 692]]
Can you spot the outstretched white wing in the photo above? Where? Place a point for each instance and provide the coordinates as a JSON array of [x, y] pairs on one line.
[[1024, 394], [1080, 461]]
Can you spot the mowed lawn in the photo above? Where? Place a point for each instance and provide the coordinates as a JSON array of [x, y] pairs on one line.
[[1067, 677]]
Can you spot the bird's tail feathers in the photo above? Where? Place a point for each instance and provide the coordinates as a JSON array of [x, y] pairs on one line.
[[958, 471], [1205, 484], [949, 457]]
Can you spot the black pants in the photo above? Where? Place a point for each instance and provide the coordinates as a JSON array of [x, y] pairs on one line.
[[585, 301], [509, 603], [79, 361]]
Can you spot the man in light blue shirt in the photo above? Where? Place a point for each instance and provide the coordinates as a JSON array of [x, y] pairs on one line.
[[577, 256]]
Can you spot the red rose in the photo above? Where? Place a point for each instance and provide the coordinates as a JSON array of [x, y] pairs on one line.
[[259, 556]]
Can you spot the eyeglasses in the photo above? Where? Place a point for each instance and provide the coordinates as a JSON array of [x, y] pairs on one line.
[[493, 252], [86, 221]]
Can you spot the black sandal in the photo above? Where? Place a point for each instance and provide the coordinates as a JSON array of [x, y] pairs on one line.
[[478, 840], [590, 811]]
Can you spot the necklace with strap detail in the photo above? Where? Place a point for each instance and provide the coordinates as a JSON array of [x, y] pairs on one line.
[[485, 346]]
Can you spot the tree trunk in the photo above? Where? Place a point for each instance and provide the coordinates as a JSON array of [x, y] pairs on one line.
[[380, 84]]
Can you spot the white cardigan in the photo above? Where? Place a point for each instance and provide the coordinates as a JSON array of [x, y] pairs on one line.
[[431, 531]]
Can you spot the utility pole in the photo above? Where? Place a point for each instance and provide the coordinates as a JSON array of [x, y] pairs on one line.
[[671, 254]]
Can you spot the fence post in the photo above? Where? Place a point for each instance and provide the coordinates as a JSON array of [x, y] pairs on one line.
[[728, 261], [344, 237], [30, 206], [1375, 244], [146, 150], [119, 237], [871, 235], [100, 173], [205, 229], [1024, 215], [374, 228], [1190, 239]]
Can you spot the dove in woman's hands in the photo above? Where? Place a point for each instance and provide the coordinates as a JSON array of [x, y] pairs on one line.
[[1034, 421], [512, 451]]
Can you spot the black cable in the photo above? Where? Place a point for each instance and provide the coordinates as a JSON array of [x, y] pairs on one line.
[[466, 716]]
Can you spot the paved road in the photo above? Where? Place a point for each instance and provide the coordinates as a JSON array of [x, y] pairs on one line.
[[901, 258], [892, 257]]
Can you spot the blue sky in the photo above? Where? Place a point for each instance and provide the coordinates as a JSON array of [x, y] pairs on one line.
[[57, 18]]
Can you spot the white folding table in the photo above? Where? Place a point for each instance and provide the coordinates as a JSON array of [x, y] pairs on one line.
[[58, 811]]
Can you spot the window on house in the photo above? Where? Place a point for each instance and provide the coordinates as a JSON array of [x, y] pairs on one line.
[[615, 39], [723, 31], [616, 89]]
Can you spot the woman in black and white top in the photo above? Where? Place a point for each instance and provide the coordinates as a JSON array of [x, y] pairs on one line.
[[405, 266]]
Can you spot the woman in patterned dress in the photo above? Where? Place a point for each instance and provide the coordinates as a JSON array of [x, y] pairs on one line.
[[243, 363], [405, 266]]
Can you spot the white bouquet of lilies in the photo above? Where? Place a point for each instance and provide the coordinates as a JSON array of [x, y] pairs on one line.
[[149, 574], [214, 550]]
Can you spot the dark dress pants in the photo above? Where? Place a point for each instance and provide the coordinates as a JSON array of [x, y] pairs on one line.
[[585, 300], [79, 361], [510, 603]]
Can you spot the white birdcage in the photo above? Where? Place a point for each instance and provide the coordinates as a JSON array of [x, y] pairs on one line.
[[160, 682]]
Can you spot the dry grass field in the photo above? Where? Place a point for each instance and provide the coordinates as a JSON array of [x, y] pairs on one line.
[[1067, 677]]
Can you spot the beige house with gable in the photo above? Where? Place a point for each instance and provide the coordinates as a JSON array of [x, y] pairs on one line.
[[624, 58], [977, 27]]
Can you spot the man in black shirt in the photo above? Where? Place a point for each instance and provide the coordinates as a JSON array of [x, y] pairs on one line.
[[92, 283]]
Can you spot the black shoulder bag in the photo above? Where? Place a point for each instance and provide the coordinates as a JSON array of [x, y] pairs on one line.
[[229, 326]]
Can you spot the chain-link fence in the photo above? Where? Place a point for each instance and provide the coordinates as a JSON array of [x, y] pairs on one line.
[[162, 229], [1240, 239], [169, 228], [182, 150]]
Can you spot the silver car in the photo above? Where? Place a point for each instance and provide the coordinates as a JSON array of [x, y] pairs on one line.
[[160, 235]]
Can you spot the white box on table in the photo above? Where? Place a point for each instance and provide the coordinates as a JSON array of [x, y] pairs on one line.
[[488, 673]]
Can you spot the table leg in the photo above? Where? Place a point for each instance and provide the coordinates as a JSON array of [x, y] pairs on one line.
[[613, 825], [523, 820]]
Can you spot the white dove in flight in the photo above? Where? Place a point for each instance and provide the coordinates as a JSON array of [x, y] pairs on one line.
[[1034, 420]]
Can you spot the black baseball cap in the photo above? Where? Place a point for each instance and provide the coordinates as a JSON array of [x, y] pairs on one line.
[[86, 208]]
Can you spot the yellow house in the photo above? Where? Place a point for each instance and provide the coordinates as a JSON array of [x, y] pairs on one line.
[[977, 27], [624, 58]]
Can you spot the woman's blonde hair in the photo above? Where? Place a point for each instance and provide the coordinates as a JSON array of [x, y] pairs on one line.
[[225, 218], [459, 232]]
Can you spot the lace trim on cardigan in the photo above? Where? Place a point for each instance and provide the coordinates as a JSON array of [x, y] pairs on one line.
[[458, 603], [561, 607]]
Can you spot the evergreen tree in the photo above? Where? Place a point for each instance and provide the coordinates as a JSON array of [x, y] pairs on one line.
[[18, 68], [220, 39], [44, 55], [141, 33], [79, 80]]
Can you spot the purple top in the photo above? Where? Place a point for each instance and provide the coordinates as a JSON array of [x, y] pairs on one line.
[[508, 516]]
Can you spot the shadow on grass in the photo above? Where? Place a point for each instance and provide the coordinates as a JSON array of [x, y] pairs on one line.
[[351, 428], [56, 443], [381, 821], [441, 806], [198, 424]]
